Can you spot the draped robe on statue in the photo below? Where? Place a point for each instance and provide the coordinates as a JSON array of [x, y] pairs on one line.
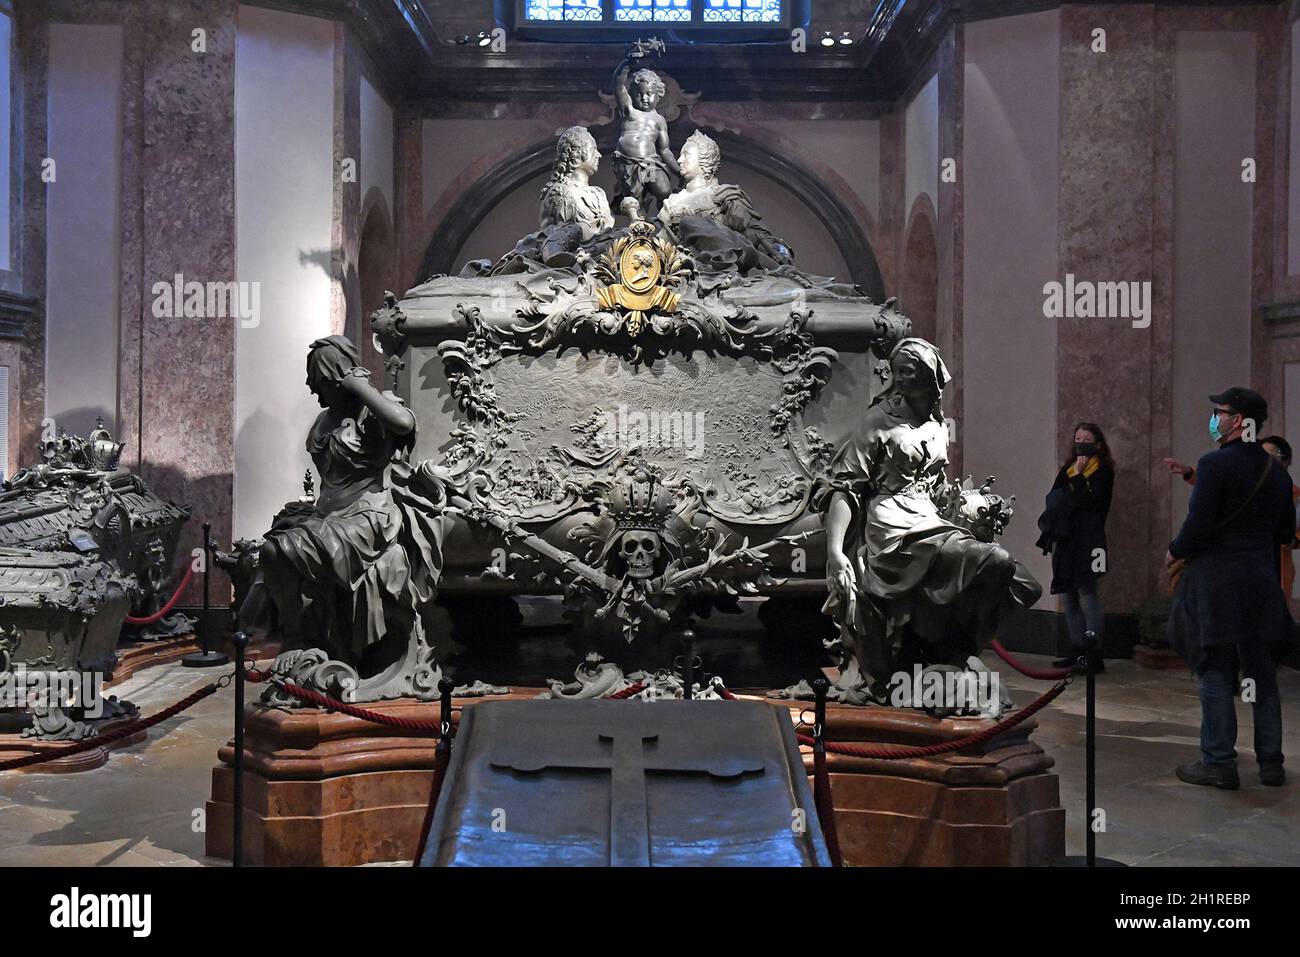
[[927, 589], [366, 559]]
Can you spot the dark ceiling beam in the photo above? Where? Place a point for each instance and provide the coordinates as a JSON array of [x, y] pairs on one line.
[[412, 43]]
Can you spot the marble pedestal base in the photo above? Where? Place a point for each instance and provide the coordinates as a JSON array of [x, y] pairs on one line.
[[996, 805], [16, 746], [324, 789]]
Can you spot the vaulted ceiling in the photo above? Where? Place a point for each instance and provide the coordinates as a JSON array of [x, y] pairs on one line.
[[414, 44]]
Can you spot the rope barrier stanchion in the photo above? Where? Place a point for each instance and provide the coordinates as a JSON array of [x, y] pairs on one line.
[[822, 797], [237, 803], [688, 664], [1042, 674], [1091, 656], [441, 758], [109, 737], [880, 752], [207, 658], [166, 609]]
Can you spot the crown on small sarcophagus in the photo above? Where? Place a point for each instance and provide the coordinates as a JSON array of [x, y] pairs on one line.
[[102, 452], [640, 502]]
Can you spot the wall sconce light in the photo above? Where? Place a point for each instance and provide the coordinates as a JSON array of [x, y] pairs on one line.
[[827, 39], [484, 38], [845, 39]]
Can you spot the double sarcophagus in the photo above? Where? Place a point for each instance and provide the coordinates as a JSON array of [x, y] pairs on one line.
[[635, 431]]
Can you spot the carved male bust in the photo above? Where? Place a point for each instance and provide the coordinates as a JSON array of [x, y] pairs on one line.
[[568, 196]]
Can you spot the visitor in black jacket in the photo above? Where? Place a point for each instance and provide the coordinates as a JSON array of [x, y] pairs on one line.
[[1074, 532], [1229, 613]]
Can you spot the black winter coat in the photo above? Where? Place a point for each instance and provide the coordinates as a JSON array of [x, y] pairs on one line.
[[1228, 593], [1074, 526]]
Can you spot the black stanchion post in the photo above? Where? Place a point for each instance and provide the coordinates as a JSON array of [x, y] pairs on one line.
[[820, 687], [207, 658], [1090, 734], [445, 688], [1090, 658], [237, 809], [688, 667]]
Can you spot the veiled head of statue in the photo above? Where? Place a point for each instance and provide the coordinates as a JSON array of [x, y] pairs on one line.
[[647, 89], [916, 369], [700, 149], [328, 361], [575, 147]]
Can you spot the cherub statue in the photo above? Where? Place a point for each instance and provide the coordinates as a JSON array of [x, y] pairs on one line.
[[910, 581], [715, 220], [351, 576], [643, 163]]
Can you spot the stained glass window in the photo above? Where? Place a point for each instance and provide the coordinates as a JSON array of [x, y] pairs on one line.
[[562, 10], [652, 11], [742, 11]]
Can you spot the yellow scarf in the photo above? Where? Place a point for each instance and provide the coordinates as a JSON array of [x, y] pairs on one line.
[[1094, 463]]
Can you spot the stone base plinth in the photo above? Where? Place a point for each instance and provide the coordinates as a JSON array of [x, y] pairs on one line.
[[133, 656], [995, 805], [16, 746], [324, 789]]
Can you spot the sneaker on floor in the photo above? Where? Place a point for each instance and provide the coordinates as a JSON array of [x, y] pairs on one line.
[[1067, 662], [1272, 774], [1218, 776]]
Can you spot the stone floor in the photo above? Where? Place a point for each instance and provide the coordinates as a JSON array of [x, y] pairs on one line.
[[144, 806]]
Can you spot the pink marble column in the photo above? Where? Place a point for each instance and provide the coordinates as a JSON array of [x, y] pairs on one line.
[[948, 311], [1106, 367], [33, 64], [187, 182]]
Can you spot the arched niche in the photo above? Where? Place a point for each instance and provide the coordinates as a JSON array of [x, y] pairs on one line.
[[918, 295], [793, 201], [376, 273]]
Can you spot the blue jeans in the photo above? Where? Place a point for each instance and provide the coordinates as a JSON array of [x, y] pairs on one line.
[[1083, 612], [1218, 690]]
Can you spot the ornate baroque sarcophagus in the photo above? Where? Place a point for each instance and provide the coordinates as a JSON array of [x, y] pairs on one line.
[[83, 544]]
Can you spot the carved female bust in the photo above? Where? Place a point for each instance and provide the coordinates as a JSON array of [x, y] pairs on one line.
[[716, 219]]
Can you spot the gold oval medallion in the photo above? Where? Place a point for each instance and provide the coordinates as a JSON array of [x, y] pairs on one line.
[[639, 266]]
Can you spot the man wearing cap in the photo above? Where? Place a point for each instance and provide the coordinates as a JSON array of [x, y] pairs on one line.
[[1229, 614]]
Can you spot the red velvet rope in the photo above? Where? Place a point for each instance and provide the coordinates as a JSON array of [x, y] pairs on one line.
[[1042, 674], [627, 692], [365, 714], [825, 805], [99, 740], [166, 609], [924, 751]]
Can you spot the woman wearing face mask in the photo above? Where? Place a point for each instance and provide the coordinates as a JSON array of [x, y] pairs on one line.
[[1074, 531]]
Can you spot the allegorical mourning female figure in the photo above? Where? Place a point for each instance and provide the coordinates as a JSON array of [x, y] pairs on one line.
[[715, 220], [350, 574], [908, 583], [572, 210]]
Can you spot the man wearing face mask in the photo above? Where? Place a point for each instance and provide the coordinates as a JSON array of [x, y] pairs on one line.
[[1229, 614]]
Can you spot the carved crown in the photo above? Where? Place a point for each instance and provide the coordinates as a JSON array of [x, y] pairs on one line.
[[101, 451], [640, 502]]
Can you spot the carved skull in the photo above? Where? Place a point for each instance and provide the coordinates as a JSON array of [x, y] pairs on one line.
[[640, 550]]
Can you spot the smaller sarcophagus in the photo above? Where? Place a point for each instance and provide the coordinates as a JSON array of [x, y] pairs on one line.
[[83, 544]]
